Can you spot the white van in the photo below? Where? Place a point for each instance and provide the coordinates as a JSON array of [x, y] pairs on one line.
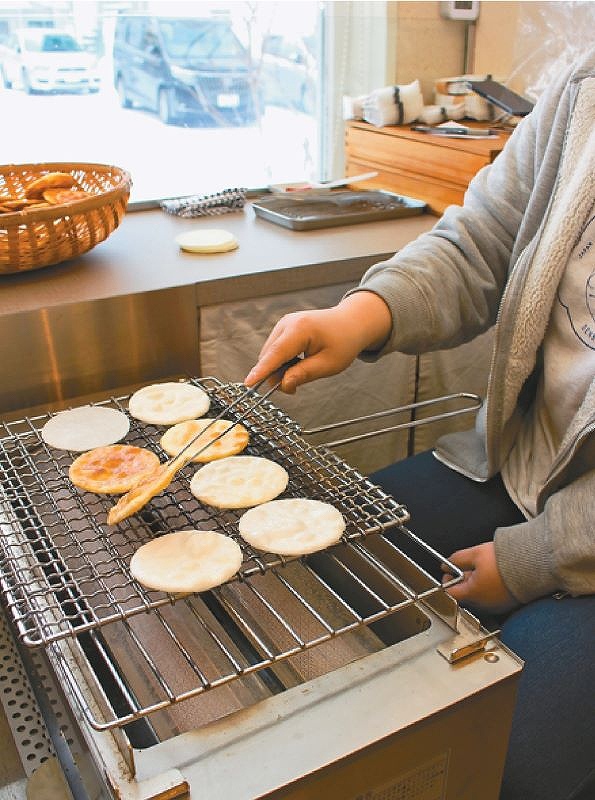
[[48, 60]]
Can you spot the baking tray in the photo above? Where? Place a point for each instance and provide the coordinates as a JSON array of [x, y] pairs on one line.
[[305, 211]]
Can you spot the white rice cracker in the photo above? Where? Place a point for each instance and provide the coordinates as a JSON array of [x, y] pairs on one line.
[[239, 482], [85, 428], [186, 561], [294, 526], [168, 403], [235, 439], [207, 240]]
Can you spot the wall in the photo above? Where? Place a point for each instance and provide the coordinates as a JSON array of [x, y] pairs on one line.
[[522, 44], [536, 40], [428, 46], [495, 37]]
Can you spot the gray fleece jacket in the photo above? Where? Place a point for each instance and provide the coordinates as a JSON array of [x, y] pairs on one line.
[[498, 260]]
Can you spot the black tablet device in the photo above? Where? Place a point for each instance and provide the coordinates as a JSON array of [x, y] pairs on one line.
[[502, 97]]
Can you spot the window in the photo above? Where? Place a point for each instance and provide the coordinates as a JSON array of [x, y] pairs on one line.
[[190, 97]]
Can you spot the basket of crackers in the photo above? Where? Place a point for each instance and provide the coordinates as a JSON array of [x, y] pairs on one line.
[[50, 213]]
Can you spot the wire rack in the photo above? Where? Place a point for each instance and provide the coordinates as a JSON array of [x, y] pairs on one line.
[[65, 579], [64, 570]]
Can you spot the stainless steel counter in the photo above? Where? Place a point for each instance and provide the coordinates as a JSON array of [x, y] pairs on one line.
[[141, 256], [127, 311]]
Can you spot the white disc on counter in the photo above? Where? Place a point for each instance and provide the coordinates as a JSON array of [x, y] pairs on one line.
[[239, 482], [294, 526], [186, 561], [84, 428], [207, 240], [168, 403]]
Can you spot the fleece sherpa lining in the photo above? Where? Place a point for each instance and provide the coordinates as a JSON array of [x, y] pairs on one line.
[[573, 200]]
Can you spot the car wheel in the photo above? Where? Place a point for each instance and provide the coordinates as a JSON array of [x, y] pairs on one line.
[[125, 101], [165, 106], [5, 82], [26, 83], [307, 100]]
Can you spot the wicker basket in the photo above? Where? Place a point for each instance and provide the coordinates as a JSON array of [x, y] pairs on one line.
[[38, 237]]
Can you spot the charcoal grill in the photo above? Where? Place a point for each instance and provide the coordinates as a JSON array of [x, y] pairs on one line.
[[146, 672]]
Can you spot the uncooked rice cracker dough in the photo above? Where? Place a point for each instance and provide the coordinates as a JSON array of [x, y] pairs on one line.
[[293, 526], [234, 440], [85, 428], [239, 482], [186, 561], [168, 403], [114, 469], [207, 240]]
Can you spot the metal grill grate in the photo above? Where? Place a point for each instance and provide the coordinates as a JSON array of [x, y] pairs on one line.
[[64, 572]]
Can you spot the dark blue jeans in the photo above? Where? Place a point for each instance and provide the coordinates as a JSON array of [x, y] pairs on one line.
[[551, 753]]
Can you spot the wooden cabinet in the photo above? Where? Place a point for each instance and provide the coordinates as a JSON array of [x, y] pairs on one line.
[[431, 168]]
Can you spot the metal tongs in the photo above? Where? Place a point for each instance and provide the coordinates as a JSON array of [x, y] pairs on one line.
[[158, 480]]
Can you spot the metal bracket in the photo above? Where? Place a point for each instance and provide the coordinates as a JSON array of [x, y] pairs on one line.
[[470, 638], [473, 403]]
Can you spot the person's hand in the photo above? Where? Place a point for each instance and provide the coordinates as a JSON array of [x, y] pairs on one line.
[[330, 339], [482, 585]]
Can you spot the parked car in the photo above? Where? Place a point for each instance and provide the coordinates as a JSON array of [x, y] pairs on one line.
[[184, 69], [288, 73], [48, 60]]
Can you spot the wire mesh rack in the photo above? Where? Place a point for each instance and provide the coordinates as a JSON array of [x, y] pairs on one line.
[[64, 570], [65, 579]]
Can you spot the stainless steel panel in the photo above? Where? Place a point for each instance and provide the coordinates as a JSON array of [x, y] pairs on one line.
[[77, 349]]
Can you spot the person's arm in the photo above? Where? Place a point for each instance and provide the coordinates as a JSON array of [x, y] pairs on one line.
[[554, 551], [330, 339], [445, 288]]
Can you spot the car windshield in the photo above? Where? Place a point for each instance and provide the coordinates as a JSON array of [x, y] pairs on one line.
[[199, 40], [53, 43]]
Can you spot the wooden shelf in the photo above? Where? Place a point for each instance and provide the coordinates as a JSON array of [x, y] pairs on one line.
[[430, 168]]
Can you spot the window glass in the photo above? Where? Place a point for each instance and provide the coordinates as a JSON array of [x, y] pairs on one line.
[[135, 32], [187, 96], [40, 42], [194, 41]]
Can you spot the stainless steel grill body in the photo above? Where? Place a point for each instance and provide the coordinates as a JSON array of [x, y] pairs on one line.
[[310, 651]]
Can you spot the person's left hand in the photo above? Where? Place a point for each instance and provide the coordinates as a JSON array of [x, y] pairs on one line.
[[482, 585]]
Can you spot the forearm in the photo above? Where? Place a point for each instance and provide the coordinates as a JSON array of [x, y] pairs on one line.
[[367, 317], [555, 550]]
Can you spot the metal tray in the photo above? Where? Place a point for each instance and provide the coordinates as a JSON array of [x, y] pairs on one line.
[[304, 211]]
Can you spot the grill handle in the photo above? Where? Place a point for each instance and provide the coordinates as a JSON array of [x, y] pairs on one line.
[[473, 403]]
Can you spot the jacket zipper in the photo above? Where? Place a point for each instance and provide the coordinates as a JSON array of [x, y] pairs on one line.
[[492, 441], [564, 458]]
